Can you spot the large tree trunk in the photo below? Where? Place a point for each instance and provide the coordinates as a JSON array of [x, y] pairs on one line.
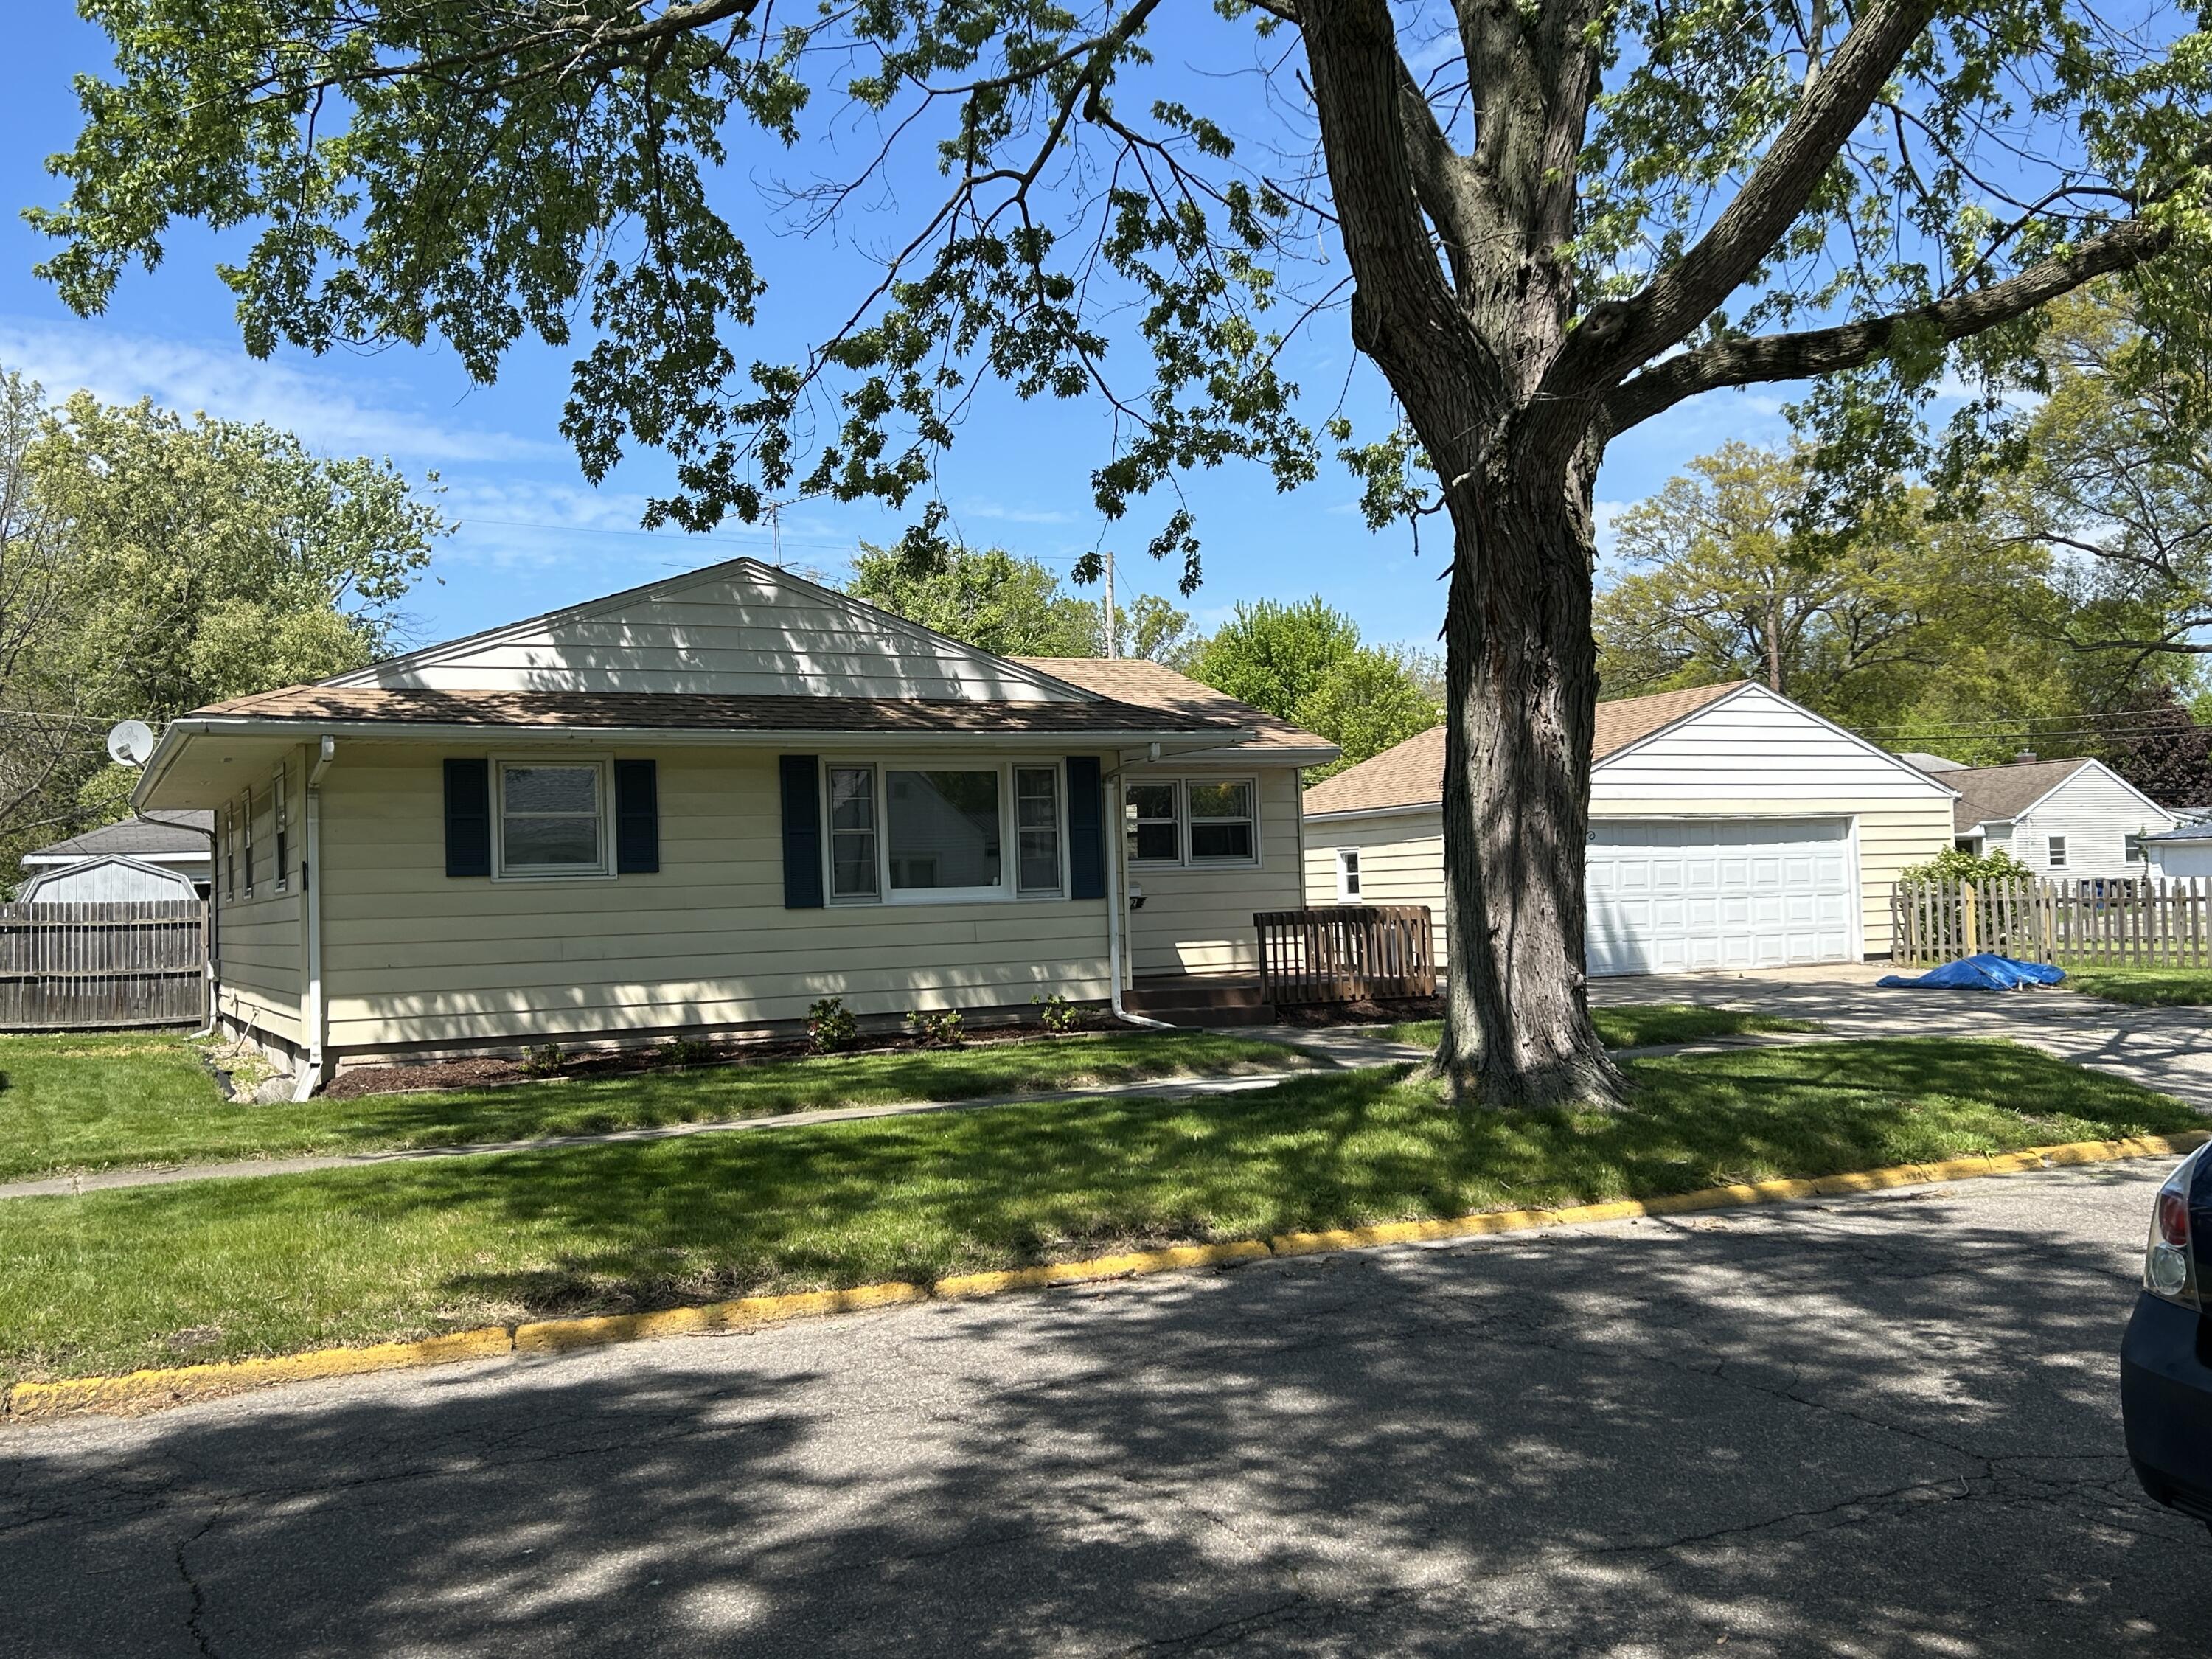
[[1520, 673]]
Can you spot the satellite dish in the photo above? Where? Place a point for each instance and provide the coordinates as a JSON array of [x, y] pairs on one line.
[[130, 743]]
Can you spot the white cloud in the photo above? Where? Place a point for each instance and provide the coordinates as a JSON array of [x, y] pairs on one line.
[[1016, 514], [122, 367]]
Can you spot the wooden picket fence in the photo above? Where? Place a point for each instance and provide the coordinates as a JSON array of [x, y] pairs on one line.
[[1346, 953], [2109, 923], [78, 966]]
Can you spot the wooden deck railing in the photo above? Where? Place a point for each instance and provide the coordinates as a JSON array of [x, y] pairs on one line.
[[2111, 922], [1346, 953], [71, 967]]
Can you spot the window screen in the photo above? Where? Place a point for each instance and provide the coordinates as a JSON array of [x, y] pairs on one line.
[[550, 819]]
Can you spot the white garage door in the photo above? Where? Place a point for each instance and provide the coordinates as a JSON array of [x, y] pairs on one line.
[[1667, 897]]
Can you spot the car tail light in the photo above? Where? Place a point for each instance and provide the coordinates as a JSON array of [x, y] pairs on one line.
[[2169, 1266]]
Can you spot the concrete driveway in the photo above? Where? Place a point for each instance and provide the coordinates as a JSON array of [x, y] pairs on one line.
[[2164, 1049], [1881, 1427]]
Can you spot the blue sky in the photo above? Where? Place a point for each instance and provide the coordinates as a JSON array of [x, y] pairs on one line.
[[535, 535]]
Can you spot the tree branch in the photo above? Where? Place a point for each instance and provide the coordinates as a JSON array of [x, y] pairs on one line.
[[1849, 345], [1613, 340]]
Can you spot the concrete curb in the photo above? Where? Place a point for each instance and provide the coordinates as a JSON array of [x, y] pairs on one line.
[[150, 1389]]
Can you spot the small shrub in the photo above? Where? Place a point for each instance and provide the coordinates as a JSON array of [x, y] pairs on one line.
[[830, 1026], [1955, 864], [1057, 1013], [686, 1051], [939, 1030], [544, 1060]]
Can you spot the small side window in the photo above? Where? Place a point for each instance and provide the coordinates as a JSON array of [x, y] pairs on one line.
[[2135, 850], [2055, 851], [1347, 875]]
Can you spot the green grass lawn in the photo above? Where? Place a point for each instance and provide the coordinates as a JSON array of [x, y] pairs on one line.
[[2151, 987], [204, 1271], [91, 1103], [1641, 1025]]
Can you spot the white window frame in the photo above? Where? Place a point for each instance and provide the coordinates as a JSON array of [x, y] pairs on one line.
[[1184, 858], [2132, 850], [603, 870], [1347, 875], [280, 830], [2054, 852], [1056, 771], [246, 833], [1008, 890]]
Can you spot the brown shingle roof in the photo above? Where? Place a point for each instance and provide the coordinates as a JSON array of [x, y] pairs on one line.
[[1153, 685], [1987, 793], [1413, 773], [687, 711]]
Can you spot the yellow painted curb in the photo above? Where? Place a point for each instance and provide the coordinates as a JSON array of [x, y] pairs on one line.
[[180, 1382], [559, 1335], [140, 1389]]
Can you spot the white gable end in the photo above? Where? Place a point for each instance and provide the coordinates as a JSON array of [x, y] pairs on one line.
[[2093, 812], [1753, 753], [740, 629]]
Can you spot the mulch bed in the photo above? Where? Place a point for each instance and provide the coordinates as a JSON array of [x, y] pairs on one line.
[[487, 1071], [1388, 1012]]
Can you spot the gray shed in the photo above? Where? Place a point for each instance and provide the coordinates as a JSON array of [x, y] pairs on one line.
[[110, 879]]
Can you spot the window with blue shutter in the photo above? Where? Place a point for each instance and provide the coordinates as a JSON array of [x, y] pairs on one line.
[[802, 832], [637, 817], [468, 817]]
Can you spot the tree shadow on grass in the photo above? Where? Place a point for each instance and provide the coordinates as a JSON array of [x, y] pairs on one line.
[[1886, 1428]]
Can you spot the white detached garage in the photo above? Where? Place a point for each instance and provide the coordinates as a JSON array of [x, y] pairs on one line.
[[1730, 829]]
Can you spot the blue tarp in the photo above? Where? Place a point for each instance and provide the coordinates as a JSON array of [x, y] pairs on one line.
[[1985, 972]]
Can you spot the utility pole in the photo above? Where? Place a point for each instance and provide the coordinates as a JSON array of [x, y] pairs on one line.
[[1111, 650], [775, 533]]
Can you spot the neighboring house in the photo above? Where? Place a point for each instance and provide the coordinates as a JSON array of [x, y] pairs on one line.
[[1729, 827], [2182, 851], [179, 841], [112, 879], [701, 804], [2070, 820]]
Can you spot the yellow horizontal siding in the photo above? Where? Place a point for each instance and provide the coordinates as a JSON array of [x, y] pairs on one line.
[[1198, 920], [411, 956]]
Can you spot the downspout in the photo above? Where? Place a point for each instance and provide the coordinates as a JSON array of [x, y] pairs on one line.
[[1115, 835], [311, 1077]]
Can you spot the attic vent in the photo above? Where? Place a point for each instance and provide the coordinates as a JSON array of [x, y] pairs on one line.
[[2023, 757]]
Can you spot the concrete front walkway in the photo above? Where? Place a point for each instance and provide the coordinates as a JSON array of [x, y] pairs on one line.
[[243, 1168]]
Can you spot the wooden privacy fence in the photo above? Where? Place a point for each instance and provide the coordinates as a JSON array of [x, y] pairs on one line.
[[2111, 923], [70, 967], [1346, 953]]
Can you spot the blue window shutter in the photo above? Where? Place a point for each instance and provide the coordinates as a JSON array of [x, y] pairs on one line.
[[802, 833], [468, 817], [1086, 837], [637, 817]]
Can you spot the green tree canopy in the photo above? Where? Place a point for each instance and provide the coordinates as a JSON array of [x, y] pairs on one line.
[[151, 564], [1923, 630], [1012, 606], [211, 558], [1726, 581], [1305, 663]]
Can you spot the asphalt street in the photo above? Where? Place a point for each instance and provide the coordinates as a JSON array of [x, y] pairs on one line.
[[1875, 1427]]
